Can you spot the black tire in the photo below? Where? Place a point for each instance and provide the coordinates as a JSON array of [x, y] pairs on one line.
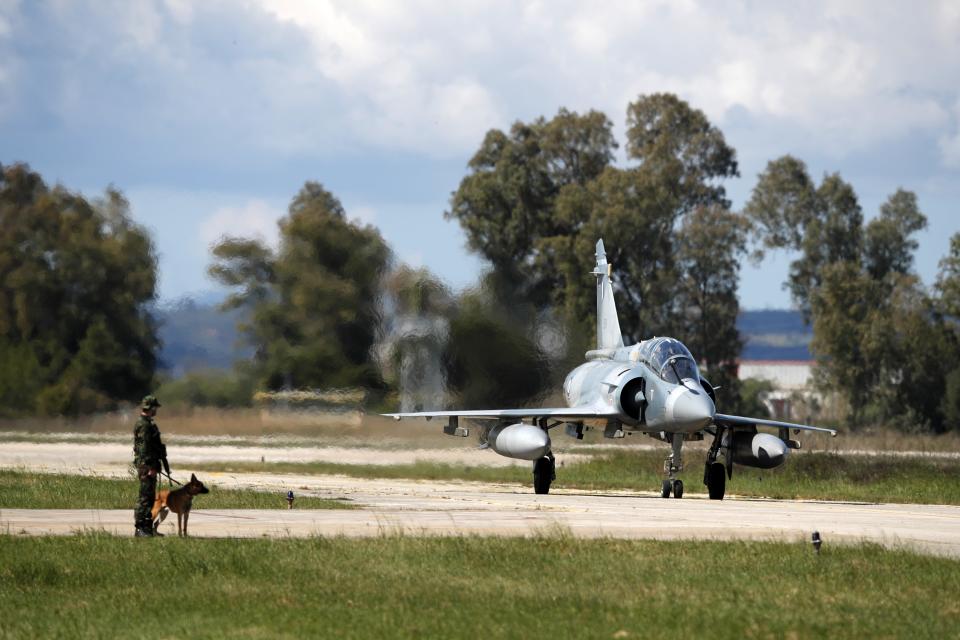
[[665, 489], [542, 476], [678, 488], [716, 480]]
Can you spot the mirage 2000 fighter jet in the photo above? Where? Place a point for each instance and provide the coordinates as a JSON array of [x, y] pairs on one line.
[[652, 387]]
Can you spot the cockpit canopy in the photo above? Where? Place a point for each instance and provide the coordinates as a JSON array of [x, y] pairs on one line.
[[670, 359]]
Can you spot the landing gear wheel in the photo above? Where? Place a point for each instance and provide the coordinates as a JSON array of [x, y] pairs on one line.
[[543, 474], [716, 480], [677, 488], [665, 489]]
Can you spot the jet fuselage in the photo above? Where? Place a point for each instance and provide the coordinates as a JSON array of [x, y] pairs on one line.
[[653, 385]]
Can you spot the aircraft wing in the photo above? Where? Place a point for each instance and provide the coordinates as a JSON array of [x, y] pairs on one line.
[[733, 421], [564, 413]]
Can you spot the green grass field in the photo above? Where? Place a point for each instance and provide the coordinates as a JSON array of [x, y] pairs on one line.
[[824, 476], [24, 490], [547, 587]]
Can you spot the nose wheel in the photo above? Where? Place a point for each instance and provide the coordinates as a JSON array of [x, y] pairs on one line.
[[674, 487], [673, 465]]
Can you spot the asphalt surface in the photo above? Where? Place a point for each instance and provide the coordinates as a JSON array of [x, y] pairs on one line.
[[462, 508], [423, 508]]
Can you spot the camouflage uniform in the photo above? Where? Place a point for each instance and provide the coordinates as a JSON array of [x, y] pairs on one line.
[[148, 453]]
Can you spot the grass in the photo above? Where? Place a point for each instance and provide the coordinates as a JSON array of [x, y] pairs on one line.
[[822, 476], [24, 490], [553, 586]]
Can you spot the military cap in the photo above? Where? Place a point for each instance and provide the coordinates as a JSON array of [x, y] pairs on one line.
[[149, 402]]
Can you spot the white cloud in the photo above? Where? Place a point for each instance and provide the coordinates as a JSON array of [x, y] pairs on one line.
[[8, 10], [323, 76], [950, 142], [9, 14], [403, 85], [255, 219], [181, 10], [430, 76]]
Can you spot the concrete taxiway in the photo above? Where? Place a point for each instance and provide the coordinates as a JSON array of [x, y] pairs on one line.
[[463, 508], [452, 508]]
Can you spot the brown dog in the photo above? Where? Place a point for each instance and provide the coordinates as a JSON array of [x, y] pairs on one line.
[[179, 501]]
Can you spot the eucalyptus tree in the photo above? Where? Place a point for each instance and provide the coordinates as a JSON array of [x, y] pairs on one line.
[[313, 301], [77, 279]]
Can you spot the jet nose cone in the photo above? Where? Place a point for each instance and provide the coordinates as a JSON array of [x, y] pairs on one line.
[[693, 410]]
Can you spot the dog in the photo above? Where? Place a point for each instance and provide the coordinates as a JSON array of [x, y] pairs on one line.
[[179, 501]]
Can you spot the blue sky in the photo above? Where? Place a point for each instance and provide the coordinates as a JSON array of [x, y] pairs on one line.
[[211, 115]]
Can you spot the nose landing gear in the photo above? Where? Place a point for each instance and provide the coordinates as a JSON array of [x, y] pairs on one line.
[[671, 486], [672, 466]]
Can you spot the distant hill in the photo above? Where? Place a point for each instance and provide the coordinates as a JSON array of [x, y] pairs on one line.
[[197, 335], [774, 334]]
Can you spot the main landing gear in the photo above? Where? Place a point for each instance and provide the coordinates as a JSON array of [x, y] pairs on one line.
[[544, 472], [672, 466], [715, 472]]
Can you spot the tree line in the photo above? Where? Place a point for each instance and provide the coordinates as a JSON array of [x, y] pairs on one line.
[[329, 306], [76, 279], [888, 346]]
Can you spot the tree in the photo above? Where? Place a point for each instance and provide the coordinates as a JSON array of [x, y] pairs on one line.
[[492, 357], [841, 308], [951, 400], [878, 338], [781, 205], [888, 243], [915, 349], [832, 236], [824, 224], [506, 203], [536, 201], [314, 303], [948, 280], [681, 161], [678, 144], [753, 397], [76, 279], [948, 306], [711, 243], [636, 215]]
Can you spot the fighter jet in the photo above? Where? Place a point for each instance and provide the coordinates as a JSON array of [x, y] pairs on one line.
[[652, 387]]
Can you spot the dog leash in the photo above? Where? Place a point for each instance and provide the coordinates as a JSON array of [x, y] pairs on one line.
[[169, 478]]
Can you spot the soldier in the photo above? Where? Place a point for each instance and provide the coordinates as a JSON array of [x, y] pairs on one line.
[[148, 454]]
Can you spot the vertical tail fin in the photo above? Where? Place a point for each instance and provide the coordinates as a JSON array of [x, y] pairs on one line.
[[608, 325]]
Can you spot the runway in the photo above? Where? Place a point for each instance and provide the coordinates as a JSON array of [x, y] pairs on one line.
[[457, 508], [415, 507]]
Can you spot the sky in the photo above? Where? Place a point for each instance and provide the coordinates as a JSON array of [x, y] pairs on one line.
[[211, 115]]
